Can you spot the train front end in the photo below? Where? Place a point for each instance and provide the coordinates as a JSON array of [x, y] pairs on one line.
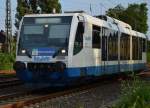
[[42, 50]]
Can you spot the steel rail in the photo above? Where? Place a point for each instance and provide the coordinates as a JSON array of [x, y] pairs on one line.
[[39, 99], [10, 82]]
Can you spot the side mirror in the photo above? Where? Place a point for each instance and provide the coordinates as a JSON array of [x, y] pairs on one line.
[[81, 27]]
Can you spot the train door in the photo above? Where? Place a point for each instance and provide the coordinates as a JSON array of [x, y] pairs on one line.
[[104, 51], [96, 46]]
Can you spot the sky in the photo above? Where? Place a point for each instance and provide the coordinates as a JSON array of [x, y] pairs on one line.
[[97, 7], [2, 14]]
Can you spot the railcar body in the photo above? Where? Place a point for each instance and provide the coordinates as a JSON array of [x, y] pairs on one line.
[[60, 49]]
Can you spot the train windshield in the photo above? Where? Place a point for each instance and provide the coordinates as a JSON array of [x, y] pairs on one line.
[[45, 32]]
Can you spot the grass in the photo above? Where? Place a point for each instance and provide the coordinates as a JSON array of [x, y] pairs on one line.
[[135, 94], [7, 75], [6, 66], [6, 61], [148, 51]]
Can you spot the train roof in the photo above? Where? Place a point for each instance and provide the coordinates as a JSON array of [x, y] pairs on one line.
[[113, 20], [124, 27], [48, 15], [135, 33], [110, 23], [101, 20]]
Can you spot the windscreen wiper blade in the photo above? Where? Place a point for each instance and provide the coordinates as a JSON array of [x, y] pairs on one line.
[[28, 54], [57, 52]]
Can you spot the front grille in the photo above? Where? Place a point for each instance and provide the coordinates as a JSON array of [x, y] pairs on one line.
[[48, 67]]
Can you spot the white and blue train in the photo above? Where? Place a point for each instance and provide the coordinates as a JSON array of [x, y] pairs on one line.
[[61, 49]]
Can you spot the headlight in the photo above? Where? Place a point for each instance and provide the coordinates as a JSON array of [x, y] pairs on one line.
[[23, 51], [63, 51]]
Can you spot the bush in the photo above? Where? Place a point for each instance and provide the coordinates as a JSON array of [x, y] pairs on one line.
[[6, 58], [135, 94], [148, 51], [148, 57], [6, 61]]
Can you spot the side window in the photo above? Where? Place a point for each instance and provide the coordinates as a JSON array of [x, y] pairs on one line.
[[113, 46], [140, 48], [135, 49], [144, 45], [96, 38], [104, 44], [78, 44], [115, 41], [110, 46], [124, 47]]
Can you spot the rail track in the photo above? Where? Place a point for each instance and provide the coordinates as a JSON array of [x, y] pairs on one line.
[[30, 98], [8, 82], [35, 99]]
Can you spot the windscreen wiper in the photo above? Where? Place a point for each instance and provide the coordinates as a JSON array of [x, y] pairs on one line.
[[28, 54], [57, 52]]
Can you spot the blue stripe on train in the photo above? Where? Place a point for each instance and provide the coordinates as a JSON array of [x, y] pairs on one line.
[[70, 73], [101, 70]]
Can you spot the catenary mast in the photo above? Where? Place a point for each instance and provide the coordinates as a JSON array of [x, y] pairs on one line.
[[8, 25]]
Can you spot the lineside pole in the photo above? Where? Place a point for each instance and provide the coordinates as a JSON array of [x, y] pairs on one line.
[[8, 26]]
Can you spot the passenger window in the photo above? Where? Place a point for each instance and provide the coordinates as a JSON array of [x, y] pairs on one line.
[[135, 49], [125, 47], [144, 45], [109, 45], [78, 44], [113, 45], [96, 38], [140, 48], [104, 44]]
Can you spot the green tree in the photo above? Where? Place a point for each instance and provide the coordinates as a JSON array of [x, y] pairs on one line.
[[134, 14], [116, 12], [30, 6]]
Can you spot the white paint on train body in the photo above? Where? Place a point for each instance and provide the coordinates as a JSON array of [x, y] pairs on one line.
[[85, 55]]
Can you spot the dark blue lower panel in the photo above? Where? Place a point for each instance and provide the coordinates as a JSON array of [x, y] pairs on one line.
[[101, 70], [71, 75]]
